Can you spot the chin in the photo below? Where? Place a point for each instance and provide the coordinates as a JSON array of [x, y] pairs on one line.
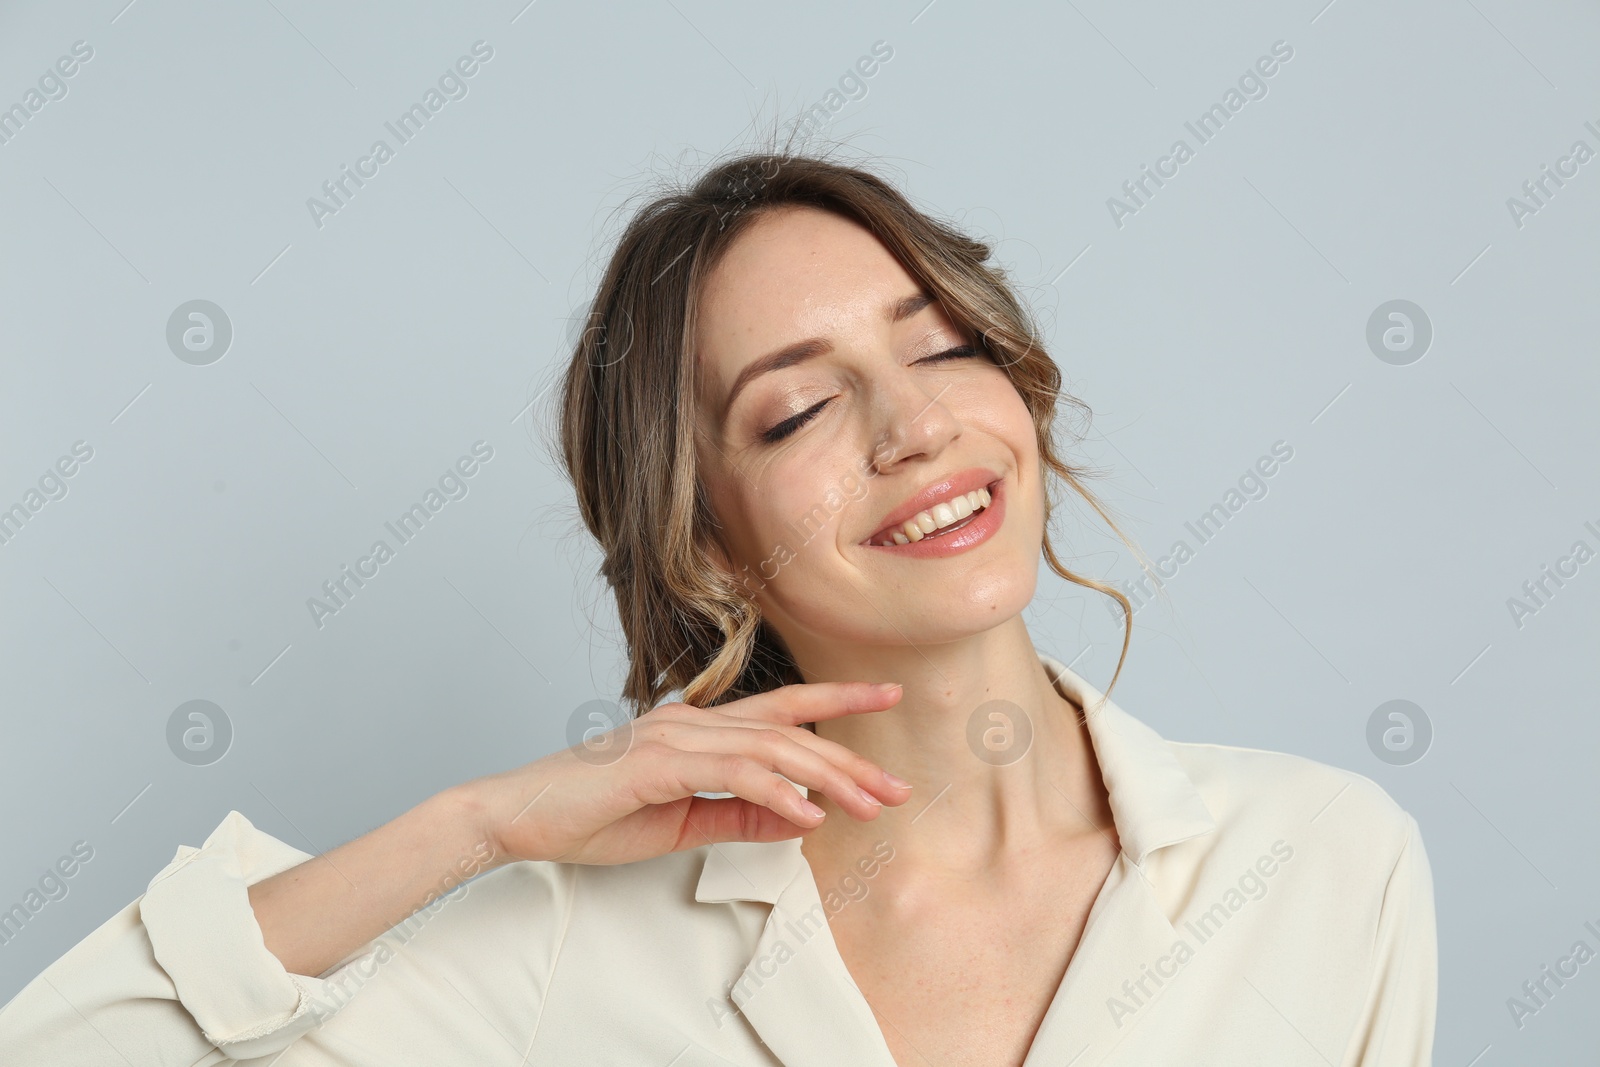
[[954, 614]]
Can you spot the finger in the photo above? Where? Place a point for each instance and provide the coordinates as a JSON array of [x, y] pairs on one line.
[[814, 701], [776, 748], [864, 772], [679, 774], [710, 820], [867, 774]]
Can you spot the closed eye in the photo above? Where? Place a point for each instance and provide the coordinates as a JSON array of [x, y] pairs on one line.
[[788, 426], [951, 354], [793, 423]]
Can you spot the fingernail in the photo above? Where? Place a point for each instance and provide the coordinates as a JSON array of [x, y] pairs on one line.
[[888, 687], [892, 780], [868, 797], [811, 809]]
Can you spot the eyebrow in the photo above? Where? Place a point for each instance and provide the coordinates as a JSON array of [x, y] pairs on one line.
[[800, 351]]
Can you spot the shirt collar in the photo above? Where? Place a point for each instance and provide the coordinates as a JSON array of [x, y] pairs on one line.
[[1154, 802]]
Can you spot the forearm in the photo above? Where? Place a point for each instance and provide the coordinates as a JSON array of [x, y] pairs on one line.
[[313, 915]]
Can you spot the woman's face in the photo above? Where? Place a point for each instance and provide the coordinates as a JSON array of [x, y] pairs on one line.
[[815, 457]]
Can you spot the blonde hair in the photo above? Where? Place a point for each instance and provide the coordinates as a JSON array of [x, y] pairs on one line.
[[628, 421]]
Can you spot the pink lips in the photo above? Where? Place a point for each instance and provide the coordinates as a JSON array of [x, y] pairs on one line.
[[935, 493], [978, 529]]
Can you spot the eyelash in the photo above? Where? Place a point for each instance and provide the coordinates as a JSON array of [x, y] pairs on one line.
[[794, 422]]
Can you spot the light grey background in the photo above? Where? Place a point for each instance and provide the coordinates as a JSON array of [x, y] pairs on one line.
[[369, 354]]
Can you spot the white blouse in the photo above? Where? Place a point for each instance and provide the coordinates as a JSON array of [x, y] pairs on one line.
[[1265, 908]]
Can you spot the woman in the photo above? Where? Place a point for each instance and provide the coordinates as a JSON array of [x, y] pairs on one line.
[[811, 429]]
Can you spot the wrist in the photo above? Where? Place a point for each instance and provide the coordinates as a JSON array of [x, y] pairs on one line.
[[466, 811]]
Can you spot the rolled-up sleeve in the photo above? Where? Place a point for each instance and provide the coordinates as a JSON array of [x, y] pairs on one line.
[[1397, 1020], [180, 976]]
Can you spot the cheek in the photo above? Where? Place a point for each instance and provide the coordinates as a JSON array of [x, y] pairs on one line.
[[1005, 417], [780, 516], [806, 496], [1014, 422], [733, 519], [743, 528], [775, 516], [996, 410]]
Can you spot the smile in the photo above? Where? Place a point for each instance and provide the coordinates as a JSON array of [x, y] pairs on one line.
[[946, 517]]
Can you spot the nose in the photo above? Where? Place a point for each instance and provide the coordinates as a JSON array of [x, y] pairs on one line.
[[912, 422]]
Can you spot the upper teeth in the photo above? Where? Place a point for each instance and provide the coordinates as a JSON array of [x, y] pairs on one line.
[[938, 517]]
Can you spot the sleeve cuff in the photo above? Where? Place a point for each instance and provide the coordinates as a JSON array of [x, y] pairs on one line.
[[204, 934]]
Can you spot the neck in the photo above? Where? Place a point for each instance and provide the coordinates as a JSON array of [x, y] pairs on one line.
[[997, 757]]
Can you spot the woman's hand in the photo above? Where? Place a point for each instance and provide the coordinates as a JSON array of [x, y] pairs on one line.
[[574, 807]]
